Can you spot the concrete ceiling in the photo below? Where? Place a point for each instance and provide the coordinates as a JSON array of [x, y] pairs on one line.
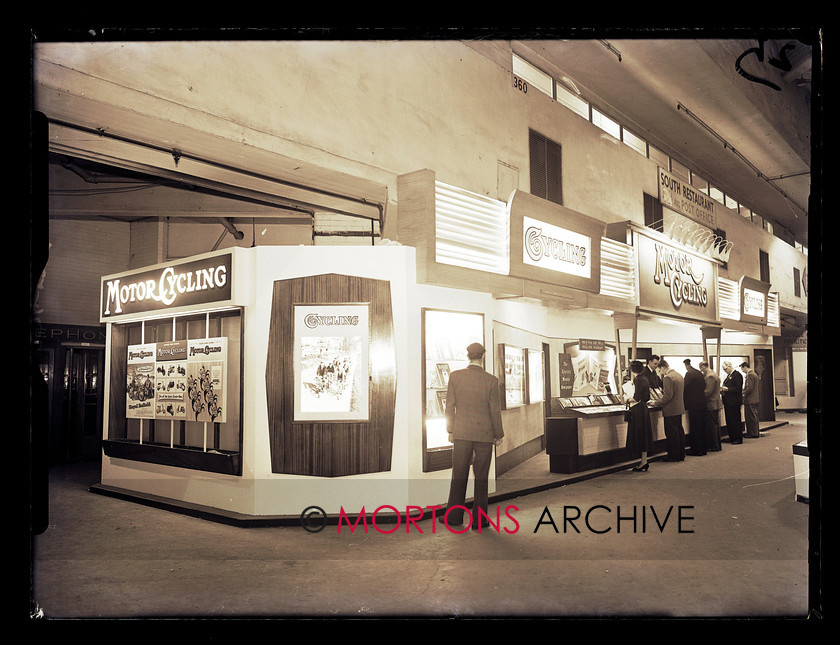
[[722, 107], [735, 111]]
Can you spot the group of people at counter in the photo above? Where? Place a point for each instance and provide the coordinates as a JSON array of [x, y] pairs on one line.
[[700, 395]]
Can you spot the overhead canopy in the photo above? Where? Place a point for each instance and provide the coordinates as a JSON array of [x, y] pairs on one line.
[[337, 193]]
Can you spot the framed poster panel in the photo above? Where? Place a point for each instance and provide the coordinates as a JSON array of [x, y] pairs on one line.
[[206, 379], [171, 377], [322, 315], [140, 382], [331, 358], [512, 376]]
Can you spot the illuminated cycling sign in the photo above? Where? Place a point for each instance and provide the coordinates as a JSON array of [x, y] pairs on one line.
[[557, 249], [179, 284]]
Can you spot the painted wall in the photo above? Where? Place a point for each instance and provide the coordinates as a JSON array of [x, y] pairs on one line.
[[80, 253], [523, 326], [747, 239], [790, 358]]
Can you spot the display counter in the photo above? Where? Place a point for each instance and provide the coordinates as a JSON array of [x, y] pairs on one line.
[[584, 433]]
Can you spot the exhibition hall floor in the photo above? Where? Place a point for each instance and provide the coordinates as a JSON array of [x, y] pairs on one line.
[[719, 536]]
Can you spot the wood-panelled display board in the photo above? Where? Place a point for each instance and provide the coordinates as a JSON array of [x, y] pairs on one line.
[[331, 376]]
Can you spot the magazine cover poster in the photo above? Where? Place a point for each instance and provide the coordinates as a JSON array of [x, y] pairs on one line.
[[171, 380], [593, 367], [206, 373], [140, 382], [331, 349]]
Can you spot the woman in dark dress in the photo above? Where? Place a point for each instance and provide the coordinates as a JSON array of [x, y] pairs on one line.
[[639, 428]]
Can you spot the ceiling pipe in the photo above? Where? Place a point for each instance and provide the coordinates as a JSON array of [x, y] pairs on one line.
[[95, 178], [237, 234], [611, 48], [726, 145]]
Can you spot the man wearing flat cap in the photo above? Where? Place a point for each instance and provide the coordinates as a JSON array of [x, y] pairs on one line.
[[474, 424]]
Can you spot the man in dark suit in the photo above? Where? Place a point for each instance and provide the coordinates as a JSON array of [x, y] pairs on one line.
[[730, 392], [650, 372], [750, 396], [695, 405], [474, 424], [673, 408]]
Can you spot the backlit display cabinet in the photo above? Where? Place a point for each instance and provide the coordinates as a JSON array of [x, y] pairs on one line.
[[536, 371], [175, 395], [588, 367], [512, 376], [446, 335]]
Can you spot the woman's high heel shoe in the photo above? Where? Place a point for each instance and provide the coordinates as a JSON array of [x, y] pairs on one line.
[[640, 468]]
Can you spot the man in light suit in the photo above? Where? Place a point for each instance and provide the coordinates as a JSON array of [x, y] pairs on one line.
[[713, 406], [731, 393], [673, 408], [750, 401], [474, 424]]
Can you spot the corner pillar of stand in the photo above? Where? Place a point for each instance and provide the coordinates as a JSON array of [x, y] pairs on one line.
[[711, 332], [624, 321]]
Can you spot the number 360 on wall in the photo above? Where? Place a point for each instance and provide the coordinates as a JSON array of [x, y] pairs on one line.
[[520, 84]]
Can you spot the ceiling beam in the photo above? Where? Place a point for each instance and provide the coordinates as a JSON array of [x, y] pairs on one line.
[[177, 167]]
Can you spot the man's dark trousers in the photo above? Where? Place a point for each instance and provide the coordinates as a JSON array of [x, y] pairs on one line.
[[732, 415], [751, 419], [479, 453], [675, 438], [697, 431]]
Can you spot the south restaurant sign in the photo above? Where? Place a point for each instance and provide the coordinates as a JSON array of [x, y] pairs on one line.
[[686, 200]]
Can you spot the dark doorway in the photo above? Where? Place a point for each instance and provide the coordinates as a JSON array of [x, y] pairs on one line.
[[79, 435]]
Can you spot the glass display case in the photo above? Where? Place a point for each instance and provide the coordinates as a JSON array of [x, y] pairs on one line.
[[592, 366], [589, 404], [175, 395], [446, 335]]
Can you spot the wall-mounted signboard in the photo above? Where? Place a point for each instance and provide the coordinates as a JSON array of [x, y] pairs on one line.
[[680, 196], [554, 244], [753, 299], [186, 284], [675, 281]]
